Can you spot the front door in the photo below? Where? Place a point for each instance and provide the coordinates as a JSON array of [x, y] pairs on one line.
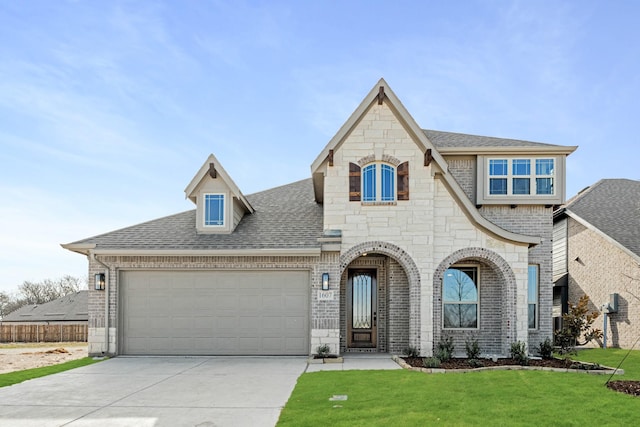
[[362, 310]]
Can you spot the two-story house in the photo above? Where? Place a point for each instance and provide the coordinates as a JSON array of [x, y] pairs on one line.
[[400, 237]]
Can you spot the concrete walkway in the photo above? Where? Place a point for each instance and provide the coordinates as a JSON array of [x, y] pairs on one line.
[[357, 361], [167, 391]]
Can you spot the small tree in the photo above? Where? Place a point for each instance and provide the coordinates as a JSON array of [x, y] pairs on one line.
[[577, 325]]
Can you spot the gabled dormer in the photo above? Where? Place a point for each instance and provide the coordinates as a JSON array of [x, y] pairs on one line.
[[220, 205]]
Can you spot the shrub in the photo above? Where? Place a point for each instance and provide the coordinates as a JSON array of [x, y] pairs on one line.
[[323, 350], [476, 363], [445, 349], [519, 353], [431, 362], [412, 351], [546, 349], [575, 324], [472, 347]]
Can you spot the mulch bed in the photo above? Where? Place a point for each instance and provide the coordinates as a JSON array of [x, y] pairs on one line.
[[463, 363], [622, 386], [628, 387]]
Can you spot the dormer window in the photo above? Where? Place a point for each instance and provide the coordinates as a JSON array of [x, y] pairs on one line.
[[379, 182], [214, 210]]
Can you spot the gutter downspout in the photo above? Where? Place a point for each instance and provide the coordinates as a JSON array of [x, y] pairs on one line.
[[106, 302]]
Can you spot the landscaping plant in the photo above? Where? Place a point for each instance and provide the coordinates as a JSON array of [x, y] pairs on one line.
[[445, 348], [519, 353], [577, 324]]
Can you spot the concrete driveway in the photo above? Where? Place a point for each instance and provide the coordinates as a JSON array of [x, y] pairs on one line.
[[157, 391]]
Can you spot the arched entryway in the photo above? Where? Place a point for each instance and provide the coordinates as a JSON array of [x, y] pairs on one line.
[[495, 304], [379, 299]]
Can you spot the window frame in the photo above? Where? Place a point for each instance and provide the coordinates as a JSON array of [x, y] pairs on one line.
[[476, 269], [380, 170], [536, 303], [221, 210], [546, 179]]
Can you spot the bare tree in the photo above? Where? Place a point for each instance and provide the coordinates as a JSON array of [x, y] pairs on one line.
[[40, 292]]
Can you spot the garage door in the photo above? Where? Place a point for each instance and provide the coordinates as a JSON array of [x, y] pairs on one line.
[[214, 313]]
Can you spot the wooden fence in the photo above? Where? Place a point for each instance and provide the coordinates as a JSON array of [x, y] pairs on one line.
[[43, 333]]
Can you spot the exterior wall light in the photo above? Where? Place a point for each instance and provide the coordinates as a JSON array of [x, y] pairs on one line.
[[99, 281], [325, 281]]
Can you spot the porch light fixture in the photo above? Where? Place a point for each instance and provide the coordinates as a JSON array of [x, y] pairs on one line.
[[325, 281], [99, 281]]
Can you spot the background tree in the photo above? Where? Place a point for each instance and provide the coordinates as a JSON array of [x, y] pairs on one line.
[[40, 292]]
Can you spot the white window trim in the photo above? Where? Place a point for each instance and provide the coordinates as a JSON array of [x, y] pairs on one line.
[[204, 210], [477, 267], [378, 183]]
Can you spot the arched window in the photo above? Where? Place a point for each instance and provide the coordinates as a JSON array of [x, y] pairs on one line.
[[379, 182], [388, 178], [460, 298], [369, 183]]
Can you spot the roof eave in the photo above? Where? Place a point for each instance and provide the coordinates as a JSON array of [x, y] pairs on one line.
[[315, 252], [602, 234], [81, 248], [482, 222], [552, 149]]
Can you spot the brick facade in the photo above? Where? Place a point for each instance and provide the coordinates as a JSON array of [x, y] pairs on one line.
[[589, 275]]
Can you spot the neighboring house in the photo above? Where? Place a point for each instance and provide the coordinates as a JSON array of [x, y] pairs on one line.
[[400, 237], [597, 253], [55, 320]]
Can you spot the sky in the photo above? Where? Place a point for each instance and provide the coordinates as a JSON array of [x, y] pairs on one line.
[[108, 109]]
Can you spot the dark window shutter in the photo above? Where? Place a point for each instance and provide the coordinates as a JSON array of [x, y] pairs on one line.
[[403, 181], [354, 182]]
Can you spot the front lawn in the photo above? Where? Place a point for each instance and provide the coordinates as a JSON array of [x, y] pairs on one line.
[[513, 398]]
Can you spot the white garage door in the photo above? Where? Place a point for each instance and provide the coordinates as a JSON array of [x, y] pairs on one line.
[[214, 313]]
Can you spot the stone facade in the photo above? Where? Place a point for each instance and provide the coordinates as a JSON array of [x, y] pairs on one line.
[[426, 229], [589, 275]]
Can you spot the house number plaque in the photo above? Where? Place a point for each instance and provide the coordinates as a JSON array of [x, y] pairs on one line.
[[326, 295]]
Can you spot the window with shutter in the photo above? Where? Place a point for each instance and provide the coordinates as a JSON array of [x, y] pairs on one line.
[[403, 181], [354, 182]]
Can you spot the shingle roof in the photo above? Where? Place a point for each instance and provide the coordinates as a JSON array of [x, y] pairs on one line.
[[613, 207], [285, 217], [451, 139], [69, 308]]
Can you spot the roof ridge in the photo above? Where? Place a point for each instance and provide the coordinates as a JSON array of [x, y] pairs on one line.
[[582, 193]]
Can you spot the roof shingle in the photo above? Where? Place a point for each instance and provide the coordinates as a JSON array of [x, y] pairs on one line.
[[613, 207], [285, 217]]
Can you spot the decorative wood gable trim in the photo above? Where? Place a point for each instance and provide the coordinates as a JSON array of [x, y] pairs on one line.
[[381, 95]]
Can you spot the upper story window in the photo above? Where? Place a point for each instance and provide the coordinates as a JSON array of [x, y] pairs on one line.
[[521, 176], [379, 182], [214, 210]]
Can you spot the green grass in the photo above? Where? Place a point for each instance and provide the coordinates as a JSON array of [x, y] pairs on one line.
[[20, 376], [509, 398]]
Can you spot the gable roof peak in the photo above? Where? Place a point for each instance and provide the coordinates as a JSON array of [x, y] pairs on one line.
[[213, 169]]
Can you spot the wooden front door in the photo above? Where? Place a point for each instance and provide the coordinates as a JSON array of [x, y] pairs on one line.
[[362, 309]]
